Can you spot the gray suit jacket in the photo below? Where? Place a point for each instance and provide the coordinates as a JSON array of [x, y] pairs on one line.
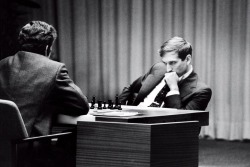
[[41, 88], [194, 95]]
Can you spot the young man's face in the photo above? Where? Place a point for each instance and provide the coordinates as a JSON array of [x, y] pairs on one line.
[[175, 64]]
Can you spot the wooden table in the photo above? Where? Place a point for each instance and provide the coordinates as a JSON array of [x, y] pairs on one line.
[[148, 115], [154, 138], [158, 115]]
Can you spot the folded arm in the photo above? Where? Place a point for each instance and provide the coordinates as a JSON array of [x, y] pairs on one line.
[[196, 101]]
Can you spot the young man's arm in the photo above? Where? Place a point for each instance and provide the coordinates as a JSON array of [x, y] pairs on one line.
[[197, 100]]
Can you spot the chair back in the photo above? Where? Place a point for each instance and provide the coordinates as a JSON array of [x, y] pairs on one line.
[[11, 128]]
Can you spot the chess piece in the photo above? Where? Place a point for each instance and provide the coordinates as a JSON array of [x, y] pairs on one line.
[[104, 105], [99, 105], [119, 106], [93, 103], [116, 102], [110, 104]]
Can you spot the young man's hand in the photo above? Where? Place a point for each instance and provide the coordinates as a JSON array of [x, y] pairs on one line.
[[172, 79]]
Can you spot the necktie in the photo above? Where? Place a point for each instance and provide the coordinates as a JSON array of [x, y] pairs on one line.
[[160, 97]]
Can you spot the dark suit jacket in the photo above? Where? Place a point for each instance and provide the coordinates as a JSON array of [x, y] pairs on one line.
[[194, 95], [41, 88]]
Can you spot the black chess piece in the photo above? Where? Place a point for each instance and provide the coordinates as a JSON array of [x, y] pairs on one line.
[[104, 105], [99, 105], [93, 103], [110, 104], [119, 106], [116, 102]]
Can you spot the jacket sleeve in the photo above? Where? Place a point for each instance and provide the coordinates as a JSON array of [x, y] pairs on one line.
[[130, 92], [66, 97], [197, 101]]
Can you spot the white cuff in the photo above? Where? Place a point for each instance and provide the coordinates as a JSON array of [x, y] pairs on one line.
[[173, 92]]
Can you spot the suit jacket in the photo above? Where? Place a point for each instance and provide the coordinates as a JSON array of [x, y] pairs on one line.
[[41, 88], [194, 95]]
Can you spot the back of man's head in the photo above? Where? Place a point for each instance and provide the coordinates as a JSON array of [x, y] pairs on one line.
[[178, 45], [37, 37]]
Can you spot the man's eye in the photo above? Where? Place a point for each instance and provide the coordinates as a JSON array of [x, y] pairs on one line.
[[172, 63], [164, 62]]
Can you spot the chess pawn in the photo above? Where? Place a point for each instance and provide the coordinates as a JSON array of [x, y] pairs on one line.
[[99, 105], [92, 105], [104, 105], [110, 104], [119, 106]]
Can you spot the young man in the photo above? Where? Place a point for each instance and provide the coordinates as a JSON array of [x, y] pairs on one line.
[[171, 83]]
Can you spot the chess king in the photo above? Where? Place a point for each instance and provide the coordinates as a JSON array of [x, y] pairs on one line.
[[170, 83]]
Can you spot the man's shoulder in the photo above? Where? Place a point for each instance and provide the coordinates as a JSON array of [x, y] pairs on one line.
[[6, 59], [200, 84], [53, 63], [38, 60], [158, 65], [158, 68], [42, 58]]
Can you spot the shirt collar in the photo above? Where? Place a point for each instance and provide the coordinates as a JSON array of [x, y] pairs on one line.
[[184, 76]]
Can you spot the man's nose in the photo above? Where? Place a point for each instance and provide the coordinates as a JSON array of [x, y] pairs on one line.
[[169, 68]]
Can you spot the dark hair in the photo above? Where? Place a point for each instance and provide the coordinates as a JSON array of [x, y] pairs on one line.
[[35, 36], [178, 45]]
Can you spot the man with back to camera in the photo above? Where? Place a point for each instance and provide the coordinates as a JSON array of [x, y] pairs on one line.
[[40, 87], [171, 83]]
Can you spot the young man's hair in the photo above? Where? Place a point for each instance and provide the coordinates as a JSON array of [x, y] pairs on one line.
[[178, 45], [36, 36]]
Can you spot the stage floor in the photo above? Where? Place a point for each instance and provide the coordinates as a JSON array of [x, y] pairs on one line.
[[220, 153]]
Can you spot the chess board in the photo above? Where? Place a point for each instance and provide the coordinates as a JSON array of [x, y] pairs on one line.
[[114, 112], [136, 114]]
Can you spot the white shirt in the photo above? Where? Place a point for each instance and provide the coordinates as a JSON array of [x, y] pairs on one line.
[[151, 96]]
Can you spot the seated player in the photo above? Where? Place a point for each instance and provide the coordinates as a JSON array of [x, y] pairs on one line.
[[171, 83], [40, 87]]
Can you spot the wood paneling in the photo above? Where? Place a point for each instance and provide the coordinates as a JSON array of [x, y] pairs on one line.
[[117, 144]]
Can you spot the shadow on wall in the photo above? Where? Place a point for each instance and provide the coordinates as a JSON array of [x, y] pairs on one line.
[[13, 14]]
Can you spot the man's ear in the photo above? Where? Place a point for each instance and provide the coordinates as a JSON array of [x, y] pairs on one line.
[[48, 51], [189, 59]]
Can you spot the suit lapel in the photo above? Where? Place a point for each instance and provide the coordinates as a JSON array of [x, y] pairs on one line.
[[187, 85]]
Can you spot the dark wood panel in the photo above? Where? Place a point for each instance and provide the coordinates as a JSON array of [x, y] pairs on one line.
[[117, 144], [112, 144], [175, 144]]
